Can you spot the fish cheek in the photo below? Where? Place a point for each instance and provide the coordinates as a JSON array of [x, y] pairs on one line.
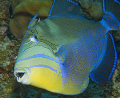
[[34, 78], [46, 78]]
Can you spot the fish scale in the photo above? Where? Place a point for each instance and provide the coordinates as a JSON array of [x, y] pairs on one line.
[[62, 52]]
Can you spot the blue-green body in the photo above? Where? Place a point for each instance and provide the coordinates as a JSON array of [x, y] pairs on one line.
[[61, 52]]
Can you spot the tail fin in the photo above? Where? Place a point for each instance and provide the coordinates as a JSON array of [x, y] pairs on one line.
[[111, 9]]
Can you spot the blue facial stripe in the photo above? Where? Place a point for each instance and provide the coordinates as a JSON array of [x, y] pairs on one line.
[[44, 66], [37, 56]]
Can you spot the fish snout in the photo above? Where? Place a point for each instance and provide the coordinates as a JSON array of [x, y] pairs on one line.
[[22, 75]]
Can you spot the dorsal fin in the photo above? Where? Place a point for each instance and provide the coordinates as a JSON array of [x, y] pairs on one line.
[[33, 21], [64, 7], [112, 13], [111, 20]]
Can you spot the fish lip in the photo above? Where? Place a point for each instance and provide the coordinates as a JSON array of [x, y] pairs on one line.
[[22, 75]]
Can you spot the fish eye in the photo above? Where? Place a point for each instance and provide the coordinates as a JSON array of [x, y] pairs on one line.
[[35, 37]]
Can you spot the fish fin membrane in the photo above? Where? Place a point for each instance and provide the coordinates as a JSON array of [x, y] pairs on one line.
[[111, 20], [33, 21], [103, 73], [112, 6], [64, 8]]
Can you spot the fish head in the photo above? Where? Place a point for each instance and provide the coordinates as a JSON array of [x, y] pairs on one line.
[[41, 76], [38, 66]]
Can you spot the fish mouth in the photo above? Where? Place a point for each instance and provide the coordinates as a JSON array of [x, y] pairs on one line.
[[22, 75]]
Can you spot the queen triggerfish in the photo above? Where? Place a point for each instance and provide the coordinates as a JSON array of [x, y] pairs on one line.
[[62, 52]]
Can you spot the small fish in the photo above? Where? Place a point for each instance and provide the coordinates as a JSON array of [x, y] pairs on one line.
[[62, 52]]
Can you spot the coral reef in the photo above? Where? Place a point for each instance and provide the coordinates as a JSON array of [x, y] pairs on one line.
[[7, 60], [4, 12], [91, 9], [116, 81], [7, 55], [9, 88], [24, 12], [116, 35], [14, 3], [116, 77]]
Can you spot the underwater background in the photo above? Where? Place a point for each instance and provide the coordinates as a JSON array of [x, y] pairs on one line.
[[9, 44]]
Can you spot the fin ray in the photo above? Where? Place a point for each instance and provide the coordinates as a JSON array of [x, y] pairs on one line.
[[112, 6], [104, 72], [33, 21], [64, 7]]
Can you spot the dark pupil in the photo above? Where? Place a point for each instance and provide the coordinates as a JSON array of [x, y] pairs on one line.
[[35, 37]]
